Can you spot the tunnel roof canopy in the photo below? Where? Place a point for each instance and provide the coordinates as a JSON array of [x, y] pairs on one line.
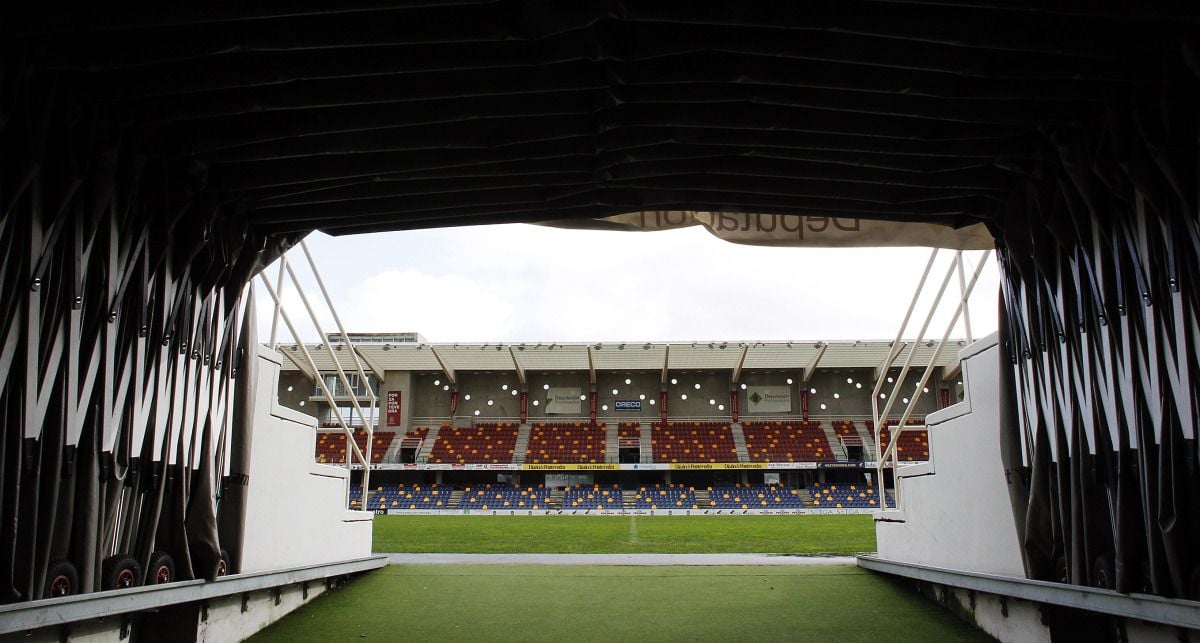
[[374, 117]]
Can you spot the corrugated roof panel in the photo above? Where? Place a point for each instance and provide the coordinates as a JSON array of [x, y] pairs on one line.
[[635, 356], [562, 357], [477, 357], [787, 355], [629, 356], [708, 355]]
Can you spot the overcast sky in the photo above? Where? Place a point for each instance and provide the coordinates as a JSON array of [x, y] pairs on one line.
[[513, 283]]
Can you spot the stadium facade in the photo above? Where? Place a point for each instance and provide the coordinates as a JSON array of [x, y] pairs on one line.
[[791, 415]]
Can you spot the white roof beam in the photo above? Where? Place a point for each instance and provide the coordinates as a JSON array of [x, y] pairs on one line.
[[591, 367], [370, 363], [811, 367], [893, 353], [517, 365], [449, 372], [737, 370], [300, 364], [666, 364]]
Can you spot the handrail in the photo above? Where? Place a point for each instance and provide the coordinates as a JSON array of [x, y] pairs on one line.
[[881, 419], [368, 418]]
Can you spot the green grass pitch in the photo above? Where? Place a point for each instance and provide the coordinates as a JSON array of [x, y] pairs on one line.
[[550, 603], [811, 534]]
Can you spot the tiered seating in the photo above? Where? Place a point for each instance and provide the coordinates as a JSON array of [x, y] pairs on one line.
[[593, 497], [665, 496], [499, 497], [847, 432], [692, 442], [485, 443], [413, 438], [566, 442], [629, 434], [400, 496], [331, 445], [755, 497], [845, 496], [913, 445], [787, 441]]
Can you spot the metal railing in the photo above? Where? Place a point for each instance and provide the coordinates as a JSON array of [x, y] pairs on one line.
[[346, 424], [880, 418]]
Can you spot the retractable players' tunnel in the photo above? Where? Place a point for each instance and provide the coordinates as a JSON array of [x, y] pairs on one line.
[[152, 162]]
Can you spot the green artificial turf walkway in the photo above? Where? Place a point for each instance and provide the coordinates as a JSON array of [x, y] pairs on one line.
[[811, 534], [552, 603]]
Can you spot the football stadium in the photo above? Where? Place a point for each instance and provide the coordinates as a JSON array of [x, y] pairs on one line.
[[197, 447], [575, 427]]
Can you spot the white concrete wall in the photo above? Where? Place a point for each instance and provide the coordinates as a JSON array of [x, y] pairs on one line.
[[226, 621], [295, 508], [954, 510]]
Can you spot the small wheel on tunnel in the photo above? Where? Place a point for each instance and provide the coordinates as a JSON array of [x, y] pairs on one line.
[[1104, 575], [1061, 573], [62, 579], [223, 564], [120, 572], [161, 569]]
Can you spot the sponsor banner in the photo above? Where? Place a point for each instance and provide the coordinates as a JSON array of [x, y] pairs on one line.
[[627, 405], [702, 466], [625, 512], [797, 230], [733, 405], [563, 401], [768, 399], [570, 467], [654, 466], [393, 409], [524, 407]]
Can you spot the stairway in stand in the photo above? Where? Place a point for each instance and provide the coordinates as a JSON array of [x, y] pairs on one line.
[[835, 444], [612, 443], [427, 445], [521, 444], [646, 449], [739, 442]]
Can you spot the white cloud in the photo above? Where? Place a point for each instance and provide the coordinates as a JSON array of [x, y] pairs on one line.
[[522, 283], [443, 308]]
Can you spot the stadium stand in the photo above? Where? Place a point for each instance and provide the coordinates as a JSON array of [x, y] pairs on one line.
[[692, 442], [499, 497], [845, 496], [913, 445], [484, 443], [593, 497], [331, 445], [665, 496], [847, 431], [400, 496], [566, 443], [786, 441], [629, 434], [755, 497], [412, 438]]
